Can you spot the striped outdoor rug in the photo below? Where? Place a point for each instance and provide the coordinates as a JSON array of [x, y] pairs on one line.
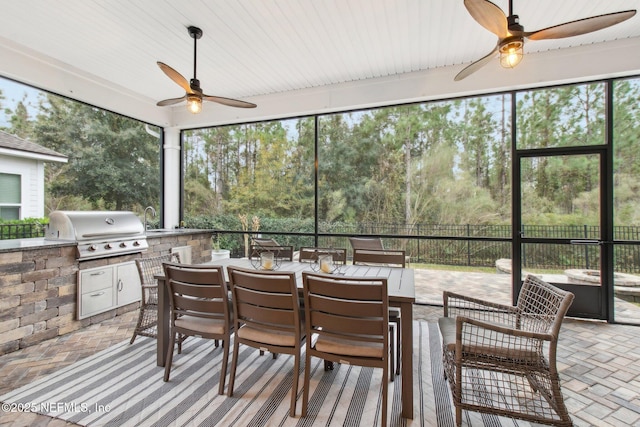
[[122, 386]]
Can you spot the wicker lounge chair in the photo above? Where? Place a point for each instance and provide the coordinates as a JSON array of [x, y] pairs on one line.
[[501, 359], [148, 268]]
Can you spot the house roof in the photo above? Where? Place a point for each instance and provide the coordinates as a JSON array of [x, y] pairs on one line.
[[294, 57], [16, 146]]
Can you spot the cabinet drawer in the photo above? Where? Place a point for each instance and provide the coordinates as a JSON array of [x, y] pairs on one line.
[[96, 301], [96, 279]]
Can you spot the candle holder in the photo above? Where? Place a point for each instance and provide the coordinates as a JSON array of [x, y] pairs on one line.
[[323, 263], [265, 259]]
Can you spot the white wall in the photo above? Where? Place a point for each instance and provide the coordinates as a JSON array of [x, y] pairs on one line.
[[32, 180]]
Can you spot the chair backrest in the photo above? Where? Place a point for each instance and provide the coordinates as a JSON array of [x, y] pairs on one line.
[[389, 258], [311, 254], [265, 300], [256, 241], [541, 306], [150, 267], [279, 251], [374, 243], [354, 309], [197, 290]]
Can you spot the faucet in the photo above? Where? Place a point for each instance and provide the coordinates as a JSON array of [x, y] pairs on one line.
[[153, 212]]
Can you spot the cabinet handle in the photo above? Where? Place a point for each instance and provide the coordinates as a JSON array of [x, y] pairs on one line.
[[97, 294], [97, 273], [120, 285]]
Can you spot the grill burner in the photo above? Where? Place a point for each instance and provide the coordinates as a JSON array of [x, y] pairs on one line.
[[98, 234]]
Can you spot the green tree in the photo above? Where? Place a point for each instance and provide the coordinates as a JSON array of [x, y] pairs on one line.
[[114, 162]]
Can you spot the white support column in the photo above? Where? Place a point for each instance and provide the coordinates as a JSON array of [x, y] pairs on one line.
[[171, 213]]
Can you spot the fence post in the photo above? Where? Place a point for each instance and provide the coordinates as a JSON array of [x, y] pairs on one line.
[[586, 247], [468, 244]]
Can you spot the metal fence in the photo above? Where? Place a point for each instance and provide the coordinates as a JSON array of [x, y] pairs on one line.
[[21, 231], [448, 244]]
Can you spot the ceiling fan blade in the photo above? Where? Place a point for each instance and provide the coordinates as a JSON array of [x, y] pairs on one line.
[[228, 101], [171, 101], [175, 76], [581, 26], [489, 16], [470, 69]]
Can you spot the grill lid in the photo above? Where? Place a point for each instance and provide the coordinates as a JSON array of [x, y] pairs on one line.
[[93, 225]]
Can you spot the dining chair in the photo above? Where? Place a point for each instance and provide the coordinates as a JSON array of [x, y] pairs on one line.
[[366, 243], [346, 321], [387, 258], [282, 252], [266, 317], [199, 306], [148, 268], [310, 254]]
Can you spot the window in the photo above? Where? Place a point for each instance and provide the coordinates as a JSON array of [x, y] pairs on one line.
[[10, 196]]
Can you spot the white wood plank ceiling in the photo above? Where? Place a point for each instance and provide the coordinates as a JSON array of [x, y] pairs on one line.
[[252, 49]]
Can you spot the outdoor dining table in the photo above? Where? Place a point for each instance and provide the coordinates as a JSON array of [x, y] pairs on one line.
[[401, 292]]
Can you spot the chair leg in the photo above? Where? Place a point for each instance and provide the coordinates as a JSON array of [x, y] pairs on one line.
[[135, 330], [180, 339], [305, 386], [234, 363], [294, 386], [392, 350], [398, 349], [169, 359], [223, 369], [385, 397]]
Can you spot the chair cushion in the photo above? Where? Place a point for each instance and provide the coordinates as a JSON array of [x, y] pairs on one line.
[[201, 324], [349, 347], [284, 339], [447, 327]]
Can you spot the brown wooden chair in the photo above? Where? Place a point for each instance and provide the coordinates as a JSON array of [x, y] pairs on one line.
[[387, 258], [501, 359], [374, 243], [199, 306], [346, 321], [267, 317], [311, 254], [148, 268], [281, 252]]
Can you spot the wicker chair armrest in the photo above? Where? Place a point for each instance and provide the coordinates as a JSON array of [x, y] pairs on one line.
[[456, 305], [490, 327], [498, 341]]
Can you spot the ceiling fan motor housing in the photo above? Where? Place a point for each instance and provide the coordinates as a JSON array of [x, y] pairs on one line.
[[195, 86], [513, 23]]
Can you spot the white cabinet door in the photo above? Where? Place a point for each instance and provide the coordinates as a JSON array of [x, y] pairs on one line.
[[127, 283], [105, 288]]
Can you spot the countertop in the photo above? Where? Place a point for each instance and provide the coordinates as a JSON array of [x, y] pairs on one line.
[[14, 245]]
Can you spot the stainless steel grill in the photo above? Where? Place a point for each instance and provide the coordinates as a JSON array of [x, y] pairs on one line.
[[98, 234]]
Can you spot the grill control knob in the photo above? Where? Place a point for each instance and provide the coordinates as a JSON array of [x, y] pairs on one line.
[[136, 243], [108, 246], [92, 248], [123, 244]]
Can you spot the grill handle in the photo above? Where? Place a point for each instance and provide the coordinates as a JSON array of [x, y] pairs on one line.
[[92, 235]]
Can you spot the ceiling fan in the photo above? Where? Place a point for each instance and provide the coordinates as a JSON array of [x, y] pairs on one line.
[[511, 35], [194, 95]]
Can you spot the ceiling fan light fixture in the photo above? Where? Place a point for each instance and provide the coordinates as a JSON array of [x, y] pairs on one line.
[[194, 103], [511, 52]]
